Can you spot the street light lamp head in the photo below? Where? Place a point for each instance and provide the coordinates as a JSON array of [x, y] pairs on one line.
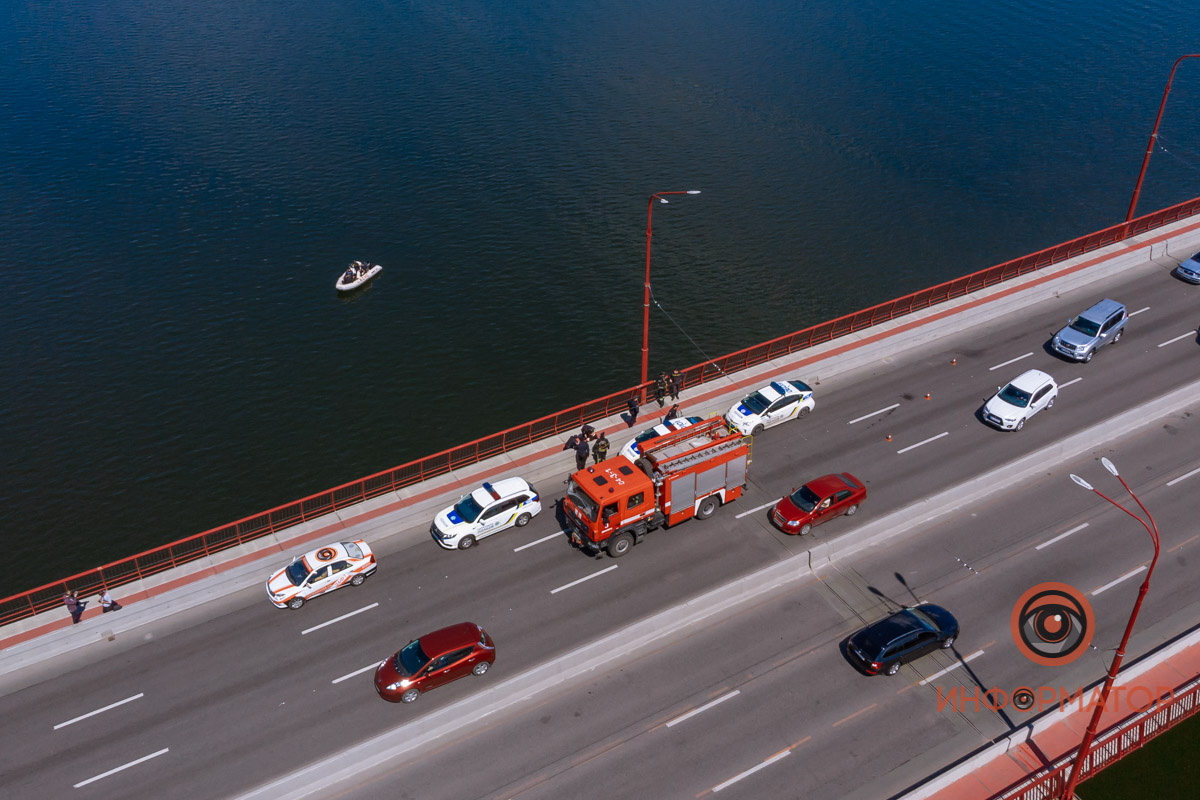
[[663, 200], [1108, 465], [1082, 482], [693, 191]]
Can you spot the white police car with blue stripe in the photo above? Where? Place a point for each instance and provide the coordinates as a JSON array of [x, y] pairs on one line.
[[491, 508], [774, 403]]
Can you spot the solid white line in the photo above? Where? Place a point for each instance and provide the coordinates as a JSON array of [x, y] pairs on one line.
[[539, 541], [942, 672], [1124, 577], [581, 580], [123, 766], [1010, 361], [98, 711], [352, 674], [1076, 529], [927, 441], [1177, 338], [1183, 477], [704, 707], [759, 508], [752, 770], [1140, 310], [874, 413], [339, 619], [1068, 383]]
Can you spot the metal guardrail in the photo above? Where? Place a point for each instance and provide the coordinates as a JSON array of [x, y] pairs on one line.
[[1109, 747], [160, 559]]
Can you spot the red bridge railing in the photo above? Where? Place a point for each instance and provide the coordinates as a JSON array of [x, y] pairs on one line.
[[162, 558]]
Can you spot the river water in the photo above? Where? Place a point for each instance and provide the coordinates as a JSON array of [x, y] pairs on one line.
[[182, 182]]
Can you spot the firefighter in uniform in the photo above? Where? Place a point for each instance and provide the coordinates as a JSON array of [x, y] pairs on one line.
[[600, 448]]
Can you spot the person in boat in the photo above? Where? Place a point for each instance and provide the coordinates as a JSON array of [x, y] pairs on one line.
[[351, 275]]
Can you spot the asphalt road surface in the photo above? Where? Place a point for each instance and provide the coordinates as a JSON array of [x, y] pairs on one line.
[[254, 692]]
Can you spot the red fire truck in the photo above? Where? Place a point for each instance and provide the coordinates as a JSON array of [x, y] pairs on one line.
[[686, 473]]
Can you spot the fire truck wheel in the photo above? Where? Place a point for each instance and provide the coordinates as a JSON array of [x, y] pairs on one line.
[[757, 430], [466, 543], [523, 520], [619, 545], [707, 506]]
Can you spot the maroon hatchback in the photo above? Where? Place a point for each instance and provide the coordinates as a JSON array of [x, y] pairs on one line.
[[818, 501], [436, 658]]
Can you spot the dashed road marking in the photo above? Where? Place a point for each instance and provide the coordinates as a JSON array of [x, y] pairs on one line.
[[704, 707], [585, 578], [1076, 529], [1010, 361], [927, 441], [874, 413], [1124, 577], [758, 508], [99, 711], [954, 666], [752, 770], [1140, 310], [123, 766], [338, 619], [1068, 383], [855, 714], [1177, 338], [539, 541], [1183, 477], [356, 672]]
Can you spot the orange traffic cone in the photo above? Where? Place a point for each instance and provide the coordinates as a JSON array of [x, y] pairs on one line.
[[927, 395]]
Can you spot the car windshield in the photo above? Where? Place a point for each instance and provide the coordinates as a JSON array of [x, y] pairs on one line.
[[1015, 396], [410, 660], [468, 509], [585, 503], [756, 403], [805, 499], [1085, 326], [923, 617], [297, 572], [653, 433], [352, 549]]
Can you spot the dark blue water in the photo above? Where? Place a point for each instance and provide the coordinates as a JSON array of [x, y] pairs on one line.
[[181, 183]]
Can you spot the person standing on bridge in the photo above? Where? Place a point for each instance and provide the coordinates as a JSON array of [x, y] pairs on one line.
[[74, 605], [660, 389], [676, 383], [582, 451], [600, 448], [633, 409], [672, 413]]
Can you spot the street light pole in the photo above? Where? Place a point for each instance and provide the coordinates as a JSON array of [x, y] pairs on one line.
[[1152, 529], [1154, 138], [646, 299]]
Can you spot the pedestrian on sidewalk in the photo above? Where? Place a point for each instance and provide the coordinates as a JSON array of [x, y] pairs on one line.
[[633, 409], [74, 605], [582, 451], [676, 383], [660, 388], [107, 603], [600, 448], [672, 413]]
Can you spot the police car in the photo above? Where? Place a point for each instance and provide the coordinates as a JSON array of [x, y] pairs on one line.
[[321, 571], [633, 448], [489, 509], [774, 403]]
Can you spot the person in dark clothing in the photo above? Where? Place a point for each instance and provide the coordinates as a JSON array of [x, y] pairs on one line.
[[74, 605], [572, 443], [676, 383], [600, 448], [582, 451], [672, 412], [587, 432], [633, 410], [660, 388]]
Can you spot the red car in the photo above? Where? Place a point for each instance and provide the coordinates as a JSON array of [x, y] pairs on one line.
[[818, 501], [434, 659]]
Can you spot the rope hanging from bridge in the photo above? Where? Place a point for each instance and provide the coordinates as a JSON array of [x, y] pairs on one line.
[[659, 306]]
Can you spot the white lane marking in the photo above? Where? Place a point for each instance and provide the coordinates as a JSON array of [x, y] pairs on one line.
[[1076, 529], [581, 580], [352, 674], [338, 619], [539, 541], [704, 707], [1177, 338], [1183, 477], [752, 770], [1010, 361], [1124, 577], [1140, 310], [98, 711], [874, 413], [1068, 383], [123, 766], [927, 441], [942, 672], [757, 508]]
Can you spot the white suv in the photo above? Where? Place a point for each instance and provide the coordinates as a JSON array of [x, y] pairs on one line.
[[489, 509], [1026, 395], [774, 403]]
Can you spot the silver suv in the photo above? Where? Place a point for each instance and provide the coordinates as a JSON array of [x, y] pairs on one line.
[[1102, 324]]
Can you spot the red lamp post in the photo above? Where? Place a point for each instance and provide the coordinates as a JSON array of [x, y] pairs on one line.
[[1154, 138], [646, 299], [1152, 529]]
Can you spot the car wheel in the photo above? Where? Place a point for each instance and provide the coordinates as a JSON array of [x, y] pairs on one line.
[[805, 528], [1051, 403], [295, 602], [756, 430], [851, 510], [804, 412], [481, 667], [523, 520], [893, 668], [1117, 336], [358, 579], [707, 506], [1020, 424], [620, 544], [1088, 357], [946, 645], [410, 695], [466, 543]]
